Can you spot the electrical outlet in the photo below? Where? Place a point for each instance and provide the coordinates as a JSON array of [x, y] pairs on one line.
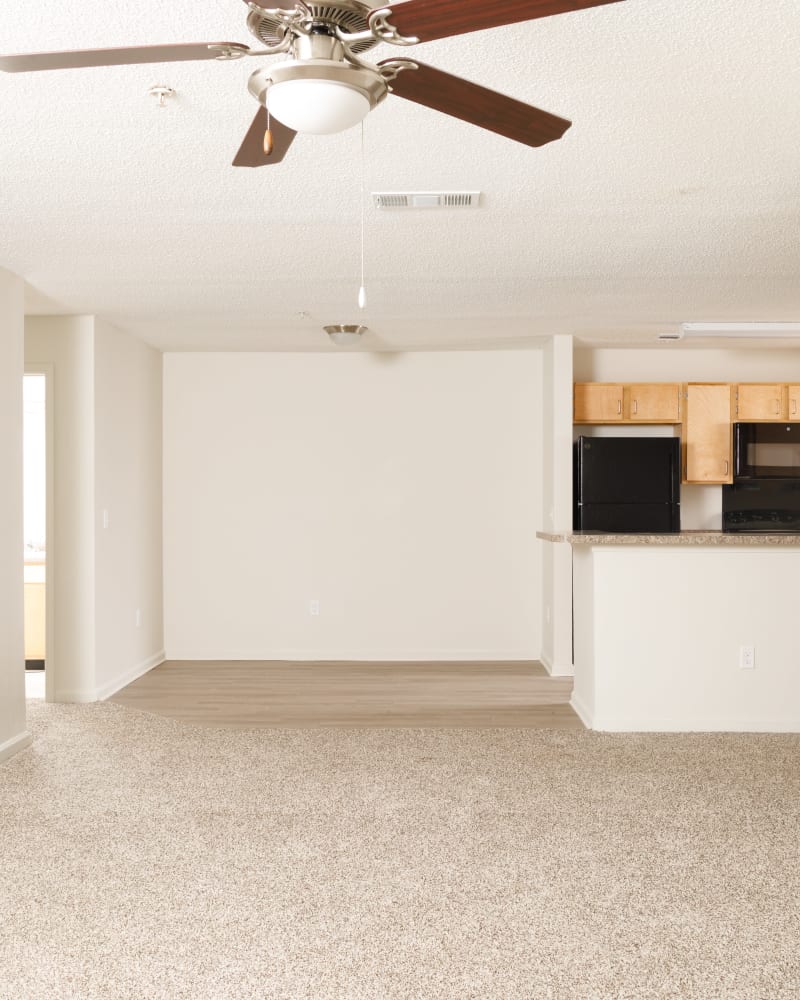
[[313, 608], [747, 657], [138, 617]]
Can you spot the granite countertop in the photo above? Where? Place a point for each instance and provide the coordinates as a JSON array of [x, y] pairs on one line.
[[673, 538]]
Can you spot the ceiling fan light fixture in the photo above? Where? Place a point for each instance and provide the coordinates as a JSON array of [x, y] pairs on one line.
[[320, 96], [320, 107], [345, 334]]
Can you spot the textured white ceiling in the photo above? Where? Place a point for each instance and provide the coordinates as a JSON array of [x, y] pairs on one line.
[[675, 195]]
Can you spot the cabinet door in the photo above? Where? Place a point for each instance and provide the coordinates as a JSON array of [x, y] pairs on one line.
[[759, 401], [794, 402], [707, 433], [597, 403], [654, 403]]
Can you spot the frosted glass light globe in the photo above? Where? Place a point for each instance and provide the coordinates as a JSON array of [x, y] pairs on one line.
[[320, 107]]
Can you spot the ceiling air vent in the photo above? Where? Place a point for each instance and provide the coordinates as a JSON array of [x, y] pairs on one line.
[[426, 199]]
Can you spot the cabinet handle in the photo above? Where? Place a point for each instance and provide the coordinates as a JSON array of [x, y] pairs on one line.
[[635, 407], [727, 466], [794, 407], [777, 406], [619, 406]]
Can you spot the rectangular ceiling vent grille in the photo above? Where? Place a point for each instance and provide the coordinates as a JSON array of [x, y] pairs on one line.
[[426, 199]]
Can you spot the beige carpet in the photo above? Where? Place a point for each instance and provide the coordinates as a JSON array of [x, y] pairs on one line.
[[143, 858]]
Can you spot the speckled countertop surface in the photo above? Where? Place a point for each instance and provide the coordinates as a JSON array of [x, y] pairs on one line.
[[675, 538]]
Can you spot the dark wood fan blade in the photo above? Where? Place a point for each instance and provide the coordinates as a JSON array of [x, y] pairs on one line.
[[429, 19], [251, 152], [475, 104], [33, 61]]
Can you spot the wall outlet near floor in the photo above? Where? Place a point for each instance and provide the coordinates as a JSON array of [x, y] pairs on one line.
[[313, 608], [138, 617], [747, 657]]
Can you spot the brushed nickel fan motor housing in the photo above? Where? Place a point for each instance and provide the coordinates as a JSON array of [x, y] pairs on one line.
[[349, 15]]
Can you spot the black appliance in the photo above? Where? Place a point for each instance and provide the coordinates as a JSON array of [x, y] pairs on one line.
[[762, 505], [627, 484], [766, 451]]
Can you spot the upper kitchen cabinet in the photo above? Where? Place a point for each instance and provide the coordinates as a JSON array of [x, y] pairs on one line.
[[597, 403], [794, 402], [653, 403], [629, 403], [707, 433], [767, 401]]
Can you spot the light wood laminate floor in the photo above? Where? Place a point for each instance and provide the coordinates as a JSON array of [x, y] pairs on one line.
[[245, 694]]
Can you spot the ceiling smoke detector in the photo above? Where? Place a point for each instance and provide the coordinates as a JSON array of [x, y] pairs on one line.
[[345, 334]]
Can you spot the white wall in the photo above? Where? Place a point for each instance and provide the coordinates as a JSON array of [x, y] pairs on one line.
[[128, 487], [66, 342], [401, 491], [701, 506], [557, 505], [658, 631], [678, 363], [13, 735], [106, 396]]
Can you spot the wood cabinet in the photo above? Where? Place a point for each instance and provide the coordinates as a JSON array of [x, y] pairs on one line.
[[793, 398], [706, 437], [597, 403], [653, 403], [628, 403], [767, 401]]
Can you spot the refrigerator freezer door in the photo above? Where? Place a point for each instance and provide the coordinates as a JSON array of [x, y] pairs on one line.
[[627, 470]]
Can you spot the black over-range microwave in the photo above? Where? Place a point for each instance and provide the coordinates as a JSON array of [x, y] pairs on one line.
[[766, 451], [765, 494]]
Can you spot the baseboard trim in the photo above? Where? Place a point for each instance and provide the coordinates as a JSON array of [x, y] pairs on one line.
[[359, 655], [13, 746], [610, 724], [69, 697], [556, 669], [111, 687], [582, 711]]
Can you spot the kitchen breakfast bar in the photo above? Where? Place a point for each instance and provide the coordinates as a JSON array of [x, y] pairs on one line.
[[685, 631]]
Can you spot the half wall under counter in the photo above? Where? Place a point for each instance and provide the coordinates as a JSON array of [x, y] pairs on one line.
[[659, 622]]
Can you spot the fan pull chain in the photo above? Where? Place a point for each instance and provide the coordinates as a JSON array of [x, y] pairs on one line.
[[362, 291], [268, 137]]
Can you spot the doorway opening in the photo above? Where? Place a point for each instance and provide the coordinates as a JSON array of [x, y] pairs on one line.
[[36, 508]]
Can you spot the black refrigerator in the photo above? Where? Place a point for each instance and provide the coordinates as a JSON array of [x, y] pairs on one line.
[[627, 484]]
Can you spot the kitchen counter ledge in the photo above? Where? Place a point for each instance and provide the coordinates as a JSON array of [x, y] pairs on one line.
[[685, 538]]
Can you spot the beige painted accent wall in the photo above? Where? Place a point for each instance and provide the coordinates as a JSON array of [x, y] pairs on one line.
[[13, 736], [401, 491]]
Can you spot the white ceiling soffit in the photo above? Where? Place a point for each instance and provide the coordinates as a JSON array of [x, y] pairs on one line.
[[675, 193], [765, 331]]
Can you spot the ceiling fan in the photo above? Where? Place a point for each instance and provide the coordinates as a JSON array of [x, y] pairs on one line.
[[327, 86]]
